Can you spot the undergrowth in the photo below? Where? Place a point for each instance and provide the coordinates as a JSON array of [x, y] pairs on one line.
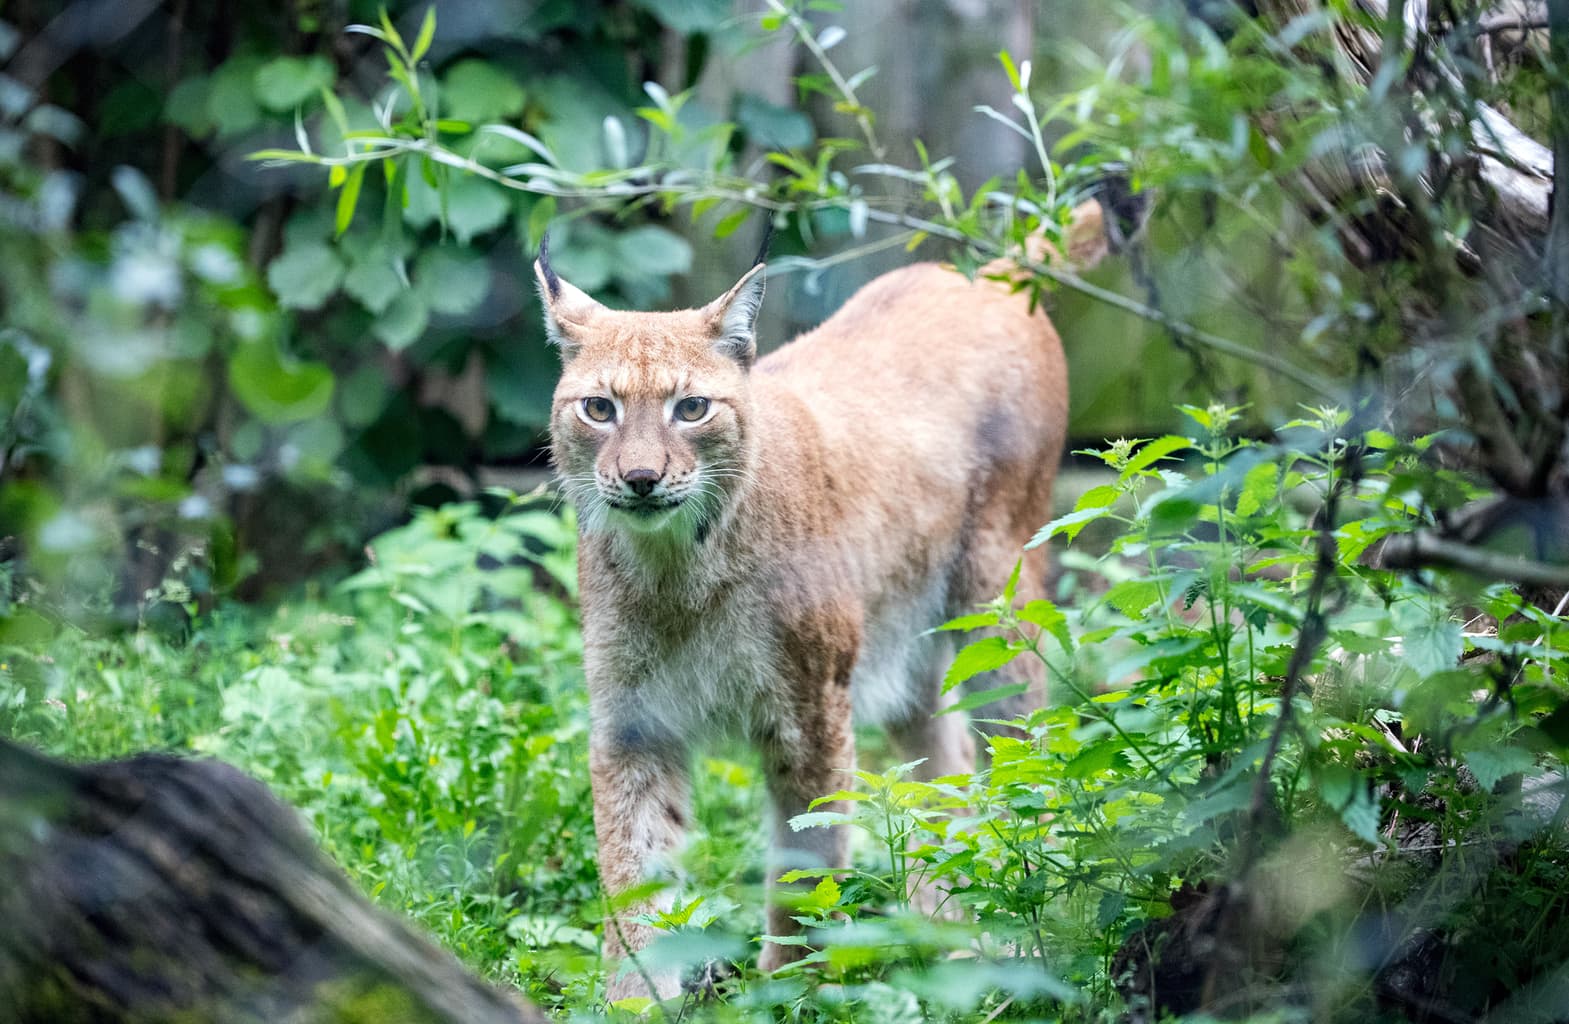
[[1268, 767]]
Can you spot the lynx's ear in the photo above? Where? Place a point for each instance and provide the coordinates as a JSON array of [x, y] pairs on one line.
[[733, 317], [567, 309]]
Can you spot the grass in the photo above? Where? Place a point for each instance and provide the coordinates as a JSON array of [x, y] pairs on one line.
[[427, 716]]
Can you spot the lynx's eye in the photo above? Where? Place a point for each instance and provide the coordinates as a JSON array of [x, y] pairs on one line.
[[600, 410], [690, 410]]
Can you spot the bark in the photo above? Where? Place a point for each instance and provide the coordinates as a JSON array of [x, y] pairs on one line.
[[162, 889]]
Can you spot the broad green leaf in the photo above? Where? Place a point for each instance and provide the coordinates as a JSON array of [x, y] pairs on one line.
[[771, 126], [984, 655], [1050, 618], [478, 91], [283, 83], [474, 206], [373, 280], [1258, 488], [1429, 641], [689, 17], [1133, 597], [653, 249], [305, 275], [278, 390], [403, 321], [1096, 758], [1071, 524], [453, 280], [1097, 497], [1492, 764], [1158, 449]]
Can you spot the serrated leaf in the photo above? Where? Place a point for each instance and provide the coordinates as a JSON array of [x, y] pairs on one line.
[[1132, 597], [1491, 765], [1149, 454], [1097, 497], [1050, 618], [984, 655], [818, 819], [1429, 641], [1071, 524], [1258, 488], [979, 620]]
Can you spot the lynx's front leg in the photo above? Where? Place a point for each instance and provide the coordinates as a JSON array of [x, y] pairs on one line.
[[641, 795], [802, 764]]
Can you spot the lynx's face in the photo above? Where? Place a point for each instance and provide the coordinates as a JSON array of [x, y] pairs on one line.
[[649, 421]]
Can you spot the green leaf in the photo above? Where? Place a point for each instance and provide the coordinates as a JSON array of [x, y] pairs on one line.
[[1050, 618], [403, 321], [1132, 597], [653, 249], [284, 83], [1158, 449], [981, 698], [984, 655], [1492, 764], [474, 206], [1096, 759], [771, 126], [479, 91], [453, 281], [1429, 641], [1258, 488], [1071, 524], [427, 33], [231, 96], [689, 16], [373, 281], [305, 275], [1097, 497], [966, 622], [349, 198], [277, 390], [1350, 796], [730, 222]]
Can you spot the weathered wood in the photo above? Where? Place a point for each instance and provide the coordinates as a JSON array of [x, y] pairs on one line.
[[163, 889]]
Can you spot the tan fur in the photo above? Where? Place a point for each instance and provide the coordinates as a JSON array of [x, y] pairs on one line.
[[862, 484]]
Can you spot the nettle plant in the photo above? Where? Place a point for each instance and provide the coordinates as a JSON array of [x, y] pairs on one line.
[[1234, 670]]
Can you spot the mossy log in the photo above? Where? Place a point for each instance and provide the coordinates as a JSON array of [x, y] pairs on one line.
[[161, 889]]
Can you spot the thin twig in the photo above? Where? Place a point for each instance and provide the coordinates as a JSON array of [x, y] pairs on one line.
[[1416, 550]]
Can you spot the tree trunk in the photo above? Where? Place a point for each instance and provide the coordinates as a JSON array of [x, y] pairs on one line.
[[163, 889]]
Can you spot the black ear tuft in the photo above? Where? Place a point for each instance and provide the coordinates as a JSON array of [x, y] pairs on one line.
[[768, 237], [552, 282]]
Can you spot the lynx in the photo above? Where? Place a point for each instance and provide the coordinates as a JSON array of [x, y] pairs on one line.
[[764, 542]]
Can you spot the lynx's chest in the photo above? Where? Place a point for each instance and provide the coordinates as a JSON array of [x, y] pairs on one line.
[[698, 675]]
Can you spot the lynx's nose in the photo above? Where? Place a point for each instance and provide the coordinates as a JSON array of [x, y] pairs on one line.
[[641, 481]]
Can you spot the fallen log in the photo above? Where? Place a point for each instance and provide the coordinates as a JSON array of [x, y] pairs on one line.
[[166, 889]]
